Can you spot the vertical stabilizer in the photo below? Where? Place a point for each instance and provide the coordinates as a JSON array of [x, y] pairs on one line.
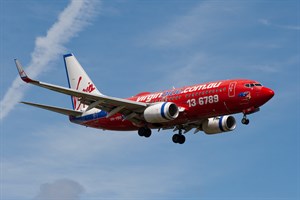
[[78, 80]]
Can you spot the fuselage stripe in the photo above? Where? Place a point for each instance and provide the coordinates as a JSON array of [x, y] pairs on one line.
[[90, 117]]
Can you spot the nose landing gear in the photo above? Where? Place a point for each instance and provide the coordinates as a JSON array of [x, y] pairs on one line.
[[247, 112], [245, 120]]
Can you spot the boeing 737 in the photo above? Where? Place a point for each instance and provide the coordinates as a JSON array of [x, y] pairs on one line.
[[204, 107]]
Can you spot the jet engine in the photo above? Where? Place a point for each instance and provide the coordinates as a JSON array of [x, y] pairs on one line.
[[161, 112], [219, 124]]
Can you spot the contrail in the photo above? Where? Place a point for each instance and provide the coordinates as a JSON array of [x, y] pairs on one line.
[[70, 22]]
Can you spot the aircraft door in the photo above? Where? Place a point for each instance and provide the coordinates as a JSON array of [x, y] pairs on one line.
[[231, 89]]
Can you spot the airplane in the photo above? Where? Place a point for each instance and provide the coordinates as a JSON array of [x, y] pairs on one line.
[[206, 107]]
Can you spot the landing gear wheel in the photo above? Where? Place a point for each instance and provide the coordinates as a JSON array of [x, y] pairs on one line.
[[178, 138], [147, 133], [141, 131], [144, 132], [182, 139], [175, 138], [245, 121]]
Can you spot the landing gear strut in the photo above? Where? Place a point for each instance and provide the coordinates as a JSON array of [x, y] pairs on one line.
[[178, 138], [245, 120], [144, 132]]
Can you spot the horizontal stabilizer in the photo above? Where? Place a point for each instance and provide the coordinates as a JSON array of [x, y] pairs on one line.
[[55, 109]]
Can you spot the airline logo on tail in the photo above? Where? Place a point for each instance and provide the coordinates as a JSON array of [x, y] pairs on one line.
[[89, 89], [78, 80]]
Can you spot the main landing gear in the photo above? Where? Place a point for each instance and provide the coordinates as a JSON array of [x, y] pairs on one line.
[[245, 120], [178, 138], [144, 132]]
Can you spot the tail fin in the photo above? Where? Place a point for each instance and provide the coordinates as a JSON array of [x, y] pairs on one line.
[[78, 80]]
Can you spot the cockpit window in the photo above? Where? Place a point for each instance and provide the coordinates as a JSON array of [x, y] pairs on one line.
[[250, 85]]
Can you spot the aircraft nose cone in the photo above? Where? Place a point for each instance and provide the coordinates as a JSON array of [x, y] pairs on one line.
[[267, 93], [271, 93]]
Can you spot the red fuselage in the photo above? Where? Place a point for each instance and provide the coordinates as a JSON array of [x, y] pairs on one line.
[[196, 102]]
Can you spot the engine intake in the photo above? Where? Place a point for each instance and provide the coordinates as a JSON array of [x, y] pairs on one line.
[[161, 112], [219, 124]]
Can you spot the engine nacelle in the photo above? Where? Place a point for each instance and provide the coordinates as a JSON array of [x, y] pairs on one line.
[[219, 124], [161, 112]]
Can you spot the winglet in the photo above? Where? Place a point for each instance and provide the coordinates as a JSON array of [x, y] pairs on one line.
[[22, 73]]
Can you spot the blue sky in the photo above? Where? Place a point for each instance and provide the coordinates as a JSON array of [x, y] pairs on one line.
[[131, 46]]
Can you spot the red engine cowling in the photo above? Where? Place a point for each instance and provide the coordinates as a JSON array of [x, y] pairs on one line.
[[219, 124], [161, 112]]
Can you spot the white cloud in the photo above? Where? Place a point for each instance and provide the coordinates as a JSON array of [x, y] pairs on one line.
[[75, 17], [190, 69], [208, 43], [289, 27], [202, 22], [267, 22], [62, 189], [264, 22], [190, 39], [111, 164], [115, 165]]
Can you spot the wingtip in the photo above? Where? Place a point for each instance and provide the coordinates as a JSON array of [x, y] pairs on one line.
[[21, 71]]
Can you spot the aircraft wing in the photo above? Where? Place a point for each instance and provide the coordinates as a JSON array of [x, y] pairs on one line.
[[112, 105]]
